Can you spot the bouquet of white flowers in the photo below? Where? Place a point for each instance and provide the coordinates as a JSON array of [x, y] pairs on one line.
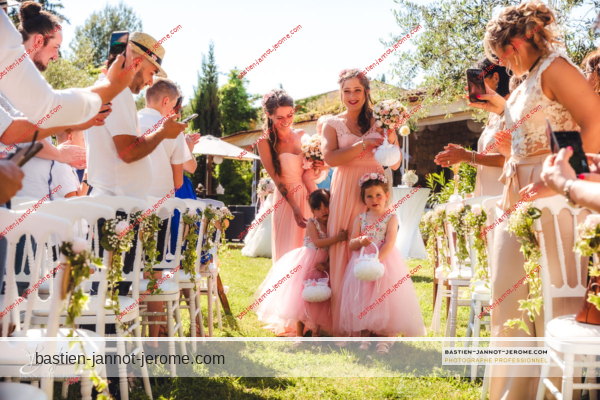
[[311, 147], [410, 178], [265, 186], [389, 113]]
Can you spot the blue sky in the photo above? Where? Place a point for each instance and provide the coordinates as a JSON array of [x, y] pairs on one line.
[[334, 35]]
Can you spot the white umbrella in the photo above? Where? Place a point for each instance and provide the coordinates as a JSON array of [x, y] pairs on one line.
[[212, 146]]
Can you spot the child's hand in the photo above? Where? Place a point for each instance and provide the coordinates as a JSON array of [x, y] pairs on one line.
[[321, 267], [343, 235], [365, 241]]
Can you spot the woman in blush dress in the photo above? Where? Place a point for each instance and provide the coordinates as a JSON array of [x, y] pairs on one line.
[[488, 158], [557, 90], [346, 138], [282, 157]]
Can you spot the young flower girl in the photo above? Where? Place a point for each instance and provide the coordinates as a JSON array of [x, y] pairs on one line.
[[389, 305], [284, 305]]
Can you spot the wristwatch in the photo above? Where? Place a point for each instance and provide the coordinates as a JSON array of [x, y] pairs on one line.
[[567, 193]]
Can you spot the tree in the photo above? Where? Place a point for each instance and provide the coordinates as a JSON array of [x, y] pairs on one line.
[[451, 40], [77, 70], [100, 25], [236, 104], [236, 178], [205, 102]]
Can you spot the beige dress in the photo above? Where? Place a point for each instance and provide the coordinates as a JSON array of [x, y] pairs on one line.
[[487, 182], [529, 149]]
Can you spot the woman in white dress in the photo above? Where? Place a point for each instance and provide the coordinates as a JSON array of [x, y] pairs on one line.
[[258, 240]]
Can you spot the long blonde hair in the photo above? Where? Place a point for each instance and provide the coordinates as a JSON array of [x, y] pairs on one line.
[[519, 21]]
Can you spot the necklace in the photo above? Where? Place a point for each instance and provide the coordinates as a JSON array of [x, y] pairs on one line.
[[534, 64], [288, 141]]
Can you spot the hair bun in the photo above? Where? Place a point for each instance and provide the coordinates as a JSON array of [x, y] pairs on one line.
[[29, 10]]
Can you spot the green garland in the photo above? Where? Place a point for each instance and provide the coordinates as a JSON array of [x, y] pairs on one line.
[[457, 218], [476, 220], [428, 231], [439, 216], [113, 242], [189, 257], [521, 224], [77, 269], [149, 226], [210, 213], [588, 244], [224, 214]]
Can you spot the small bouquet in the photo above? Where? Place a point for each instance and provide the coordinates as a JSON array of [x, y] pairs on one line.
[[311, 148], [389, 113], [265, 186], [410, 178]]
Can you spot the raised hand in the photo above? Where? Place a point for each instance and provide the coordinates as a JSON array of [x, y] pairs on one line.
[[72, 155], [171, 128], [495, 103]]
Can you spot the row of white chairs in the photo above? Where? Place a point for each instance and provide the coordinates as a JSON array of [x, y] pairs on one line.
[[62, 220], [562, 336]]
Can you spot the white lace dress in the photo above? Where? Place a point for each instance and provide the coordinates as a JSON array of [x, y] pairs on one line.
[[487, 182], [526, 110], [257, 242]]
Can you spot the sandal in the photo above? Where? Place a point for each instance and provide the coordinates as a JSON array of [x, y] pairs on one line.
[[365, 345], [383, 347]]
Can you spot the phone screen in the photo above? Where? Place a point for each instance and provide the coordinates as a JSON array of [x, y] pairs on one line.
[[572, 138], [118, 44], [476, 85]]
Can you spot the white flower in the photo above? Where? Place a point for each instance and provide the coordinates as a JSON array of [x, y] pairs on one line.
[[79, 245], [373, 175], [121, 227], [405, 131], [305, 139], [379, 123], [476, 209], [439, 211], [460, 208], [592, 220]]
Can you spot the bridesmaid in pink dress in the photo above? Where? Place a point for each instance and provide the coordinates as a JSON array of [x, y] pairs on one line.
[[282, 157], [347, 142]]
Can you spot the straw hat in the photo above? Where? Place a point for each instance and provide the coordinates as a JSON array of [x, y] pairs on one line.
[[145, 44]]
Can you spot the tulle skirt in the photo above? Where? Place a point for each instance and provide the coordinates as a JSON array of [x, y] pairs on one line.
[[284, 305], [377, 306]]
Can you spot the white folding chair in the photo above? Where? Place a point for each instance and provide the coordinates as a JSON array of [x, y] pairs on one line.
[[14, 355], [559, 329]]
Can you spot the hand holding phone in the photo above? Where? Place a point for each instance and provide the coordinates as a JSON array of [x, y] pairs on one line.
[[118, 44], [561, 139], [475, 84]]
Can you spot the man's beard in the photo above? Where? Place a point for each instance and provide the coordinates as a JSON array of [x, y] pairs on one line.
[[137, 84], [38, 63]]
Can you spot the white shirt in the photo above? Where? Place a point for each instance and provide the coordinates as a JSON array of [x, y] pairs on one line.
[[38, 180], [25, 87], [168, 152], [107, 173], [65, 176]]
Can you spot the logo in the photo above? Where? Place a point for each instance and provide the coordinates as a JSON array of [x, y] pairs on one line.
[[154, 57]]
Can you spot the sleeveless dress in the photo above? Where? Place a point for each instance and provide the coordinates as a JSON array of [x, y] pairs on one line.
[[345, 205], [286, 234], [529, 148], [283, 307], [487, 182], [399, 312], [257, 242]]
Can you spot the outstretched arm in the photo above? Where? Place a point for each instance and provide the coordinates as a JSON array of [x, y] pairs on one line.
[[313, 234]]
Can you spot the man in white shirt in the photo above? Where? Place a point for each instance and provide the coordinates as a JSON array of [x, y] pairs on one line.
[[118, 153], [65, 175], [170, 154]]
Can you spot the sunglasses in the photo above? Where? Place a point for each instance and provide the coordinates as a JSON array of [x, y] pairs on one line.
[[178, 104]]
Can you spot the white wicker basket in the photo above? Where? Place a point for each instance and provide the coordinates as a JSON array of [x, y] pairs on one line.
[[367, 267], [316, 291]]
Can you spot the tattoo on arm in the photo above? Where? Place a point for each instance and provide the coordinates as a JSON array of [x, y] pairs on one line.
[[283, 190]]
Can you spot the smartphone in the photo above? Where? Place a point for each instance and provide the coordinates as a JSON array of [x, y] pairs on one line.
[[561, 139], [118, 44], [105, 111], [476, 85], [188, 119], [24, 154]]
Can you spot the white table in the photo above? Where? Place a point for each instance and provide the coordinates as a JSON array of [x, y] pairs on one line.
[[409, 240]]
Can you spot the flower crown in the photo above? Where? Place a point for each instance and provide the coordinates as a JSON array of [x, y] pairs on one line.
[[372, 176], [267, 96]]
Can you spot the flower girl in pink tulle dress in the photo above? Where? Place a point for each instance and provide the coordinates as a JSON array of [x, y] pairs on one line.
[[385, 306], [285, 305]]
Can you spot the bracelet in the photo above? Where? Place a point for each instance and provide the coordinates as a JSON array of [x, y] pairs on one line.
[[567, 193], [473, 157]]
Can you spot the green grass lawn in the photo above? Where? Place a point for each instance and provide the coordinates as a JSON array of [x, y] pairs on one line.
[[243, 275]]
